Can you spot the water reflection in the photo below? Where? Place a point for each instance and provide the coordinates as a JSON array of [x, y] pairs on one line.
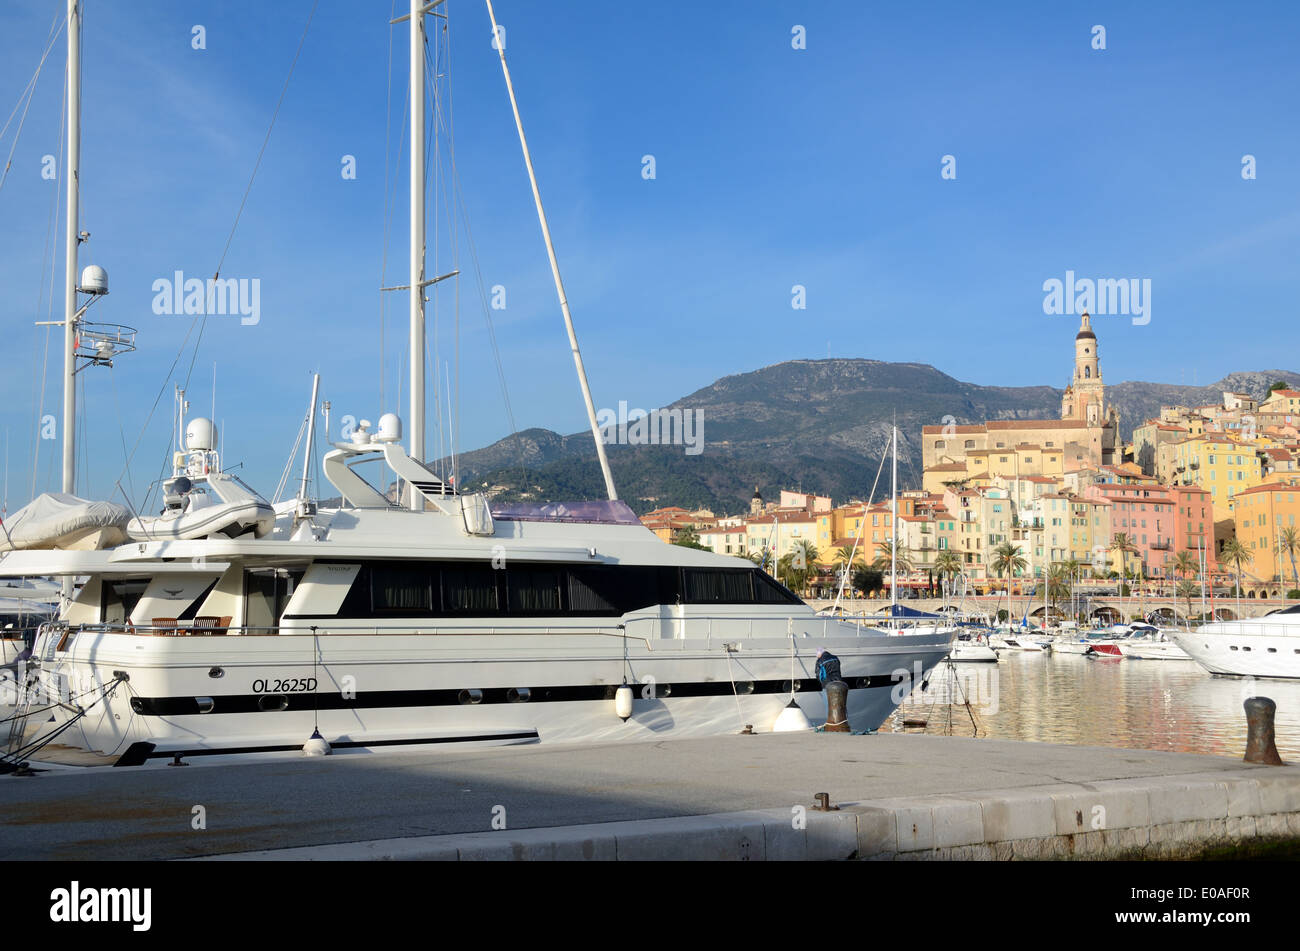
[[1139, 704]]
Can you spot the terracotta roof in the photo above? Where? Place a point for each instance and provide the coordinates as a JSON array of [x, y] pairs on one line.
[[939, 430], [1270, 487], [1005, 424]]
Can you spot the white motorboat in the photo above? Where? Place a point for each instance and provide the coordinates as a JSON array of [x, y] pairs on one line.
[[1267, 646], [1070, 645], [437, 622], [972, 648], [1158, 644], [1017, 641]]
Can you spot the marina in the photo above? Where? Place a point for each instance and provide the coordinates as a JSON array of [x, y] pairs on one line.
[[1005, 622]]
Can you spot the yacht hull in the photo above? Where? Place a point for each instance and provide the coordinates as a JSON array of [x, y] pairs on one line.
[[1237, 650], [266, 694]]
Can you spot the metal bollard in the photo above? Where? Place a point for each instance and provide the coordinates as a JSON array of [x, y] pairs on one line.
[[837, 707], [1260, 747]]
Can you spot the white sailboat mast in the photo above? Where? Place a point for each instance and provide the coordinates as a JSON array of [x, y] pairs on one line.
[[418, 9], [555, 266], [893, 518], [72, 237]]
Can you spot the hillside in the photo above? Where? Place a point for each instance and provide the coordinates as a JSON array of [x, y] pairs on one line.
[[819, 424]]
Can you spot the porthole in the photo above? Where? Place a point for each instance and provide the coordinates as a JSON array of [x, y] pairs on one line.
[[272, 702], [216, 673], [744, 687], [206, 704], [469, 697], [1272, 650], [519, 694], [1232, 647]]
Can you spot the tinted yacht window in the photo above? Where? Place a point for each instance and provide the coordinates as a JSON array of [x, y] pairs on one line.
[[402, 589], [533, 591], [715, 586], [469, 590]]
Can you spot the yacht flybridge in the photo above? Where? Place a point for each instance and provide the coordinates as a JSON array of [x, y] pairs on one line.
[[420, 616]]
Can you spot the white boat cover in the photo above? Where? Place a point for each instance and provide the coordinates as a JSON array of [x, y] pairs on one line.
[[56, 520]]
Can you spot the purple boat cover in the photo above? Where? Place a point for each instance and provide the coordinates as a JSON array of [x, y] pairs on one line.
[[600, 512]]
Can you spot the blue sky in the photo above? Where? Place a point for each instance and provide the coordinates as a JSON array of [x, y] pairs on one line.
[[774, 167]]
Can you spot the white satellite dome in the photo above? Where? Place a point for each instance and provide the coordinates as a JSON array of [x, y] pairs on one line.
[[94, 280], [200, 434], [390, 428]]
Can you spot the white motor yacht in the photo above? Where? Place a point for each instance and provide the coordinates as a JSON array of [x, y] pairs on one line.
[[1267, 646], [457, 624]]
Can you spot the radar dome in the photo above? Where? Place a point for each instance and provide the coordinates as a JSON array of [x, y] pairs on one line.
[[390, 428], [94, 280], [200, 434]]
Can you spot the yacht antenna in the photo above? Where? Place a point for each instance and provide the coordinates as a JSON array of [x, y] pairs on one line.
[[311, 436], [555, 266]]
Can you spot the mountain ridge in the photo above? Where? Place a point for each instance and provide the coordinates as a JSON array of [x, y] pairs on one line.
[[819, 424]]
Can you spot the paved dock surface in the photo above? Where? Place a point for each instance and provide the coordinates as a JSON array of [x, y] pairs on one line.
[[966, 792]]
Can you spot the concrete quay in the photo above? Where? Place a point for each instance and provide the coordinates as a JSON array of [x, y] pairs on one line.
[[732, 797]]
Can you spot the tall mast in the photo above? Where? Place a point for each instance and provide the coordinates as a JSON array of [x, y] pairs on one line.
[[893, 518], [70, 251], [555, 266], [418, 8]]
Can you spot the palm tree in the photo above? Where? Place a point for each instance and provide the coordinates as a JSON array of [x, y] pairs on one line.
[[1122, 542], [1238, 555], [1058, 584], [1288, 543], [797, 566], [1187, 589], [902, 560], [845, 558], [1185, 564], [1008, 560], [947, 564], [1073, 567]]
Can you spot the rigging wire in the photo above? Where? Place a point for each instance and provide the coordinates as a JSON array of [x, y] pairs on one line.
[[29, 91], [871, 498], [388, 134], [453, 424], [262, 151], [52, 257], [200, 320]]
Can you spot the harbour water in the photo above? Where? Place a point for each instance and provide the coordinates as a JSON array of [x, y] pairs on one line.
[[1137, 704]]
